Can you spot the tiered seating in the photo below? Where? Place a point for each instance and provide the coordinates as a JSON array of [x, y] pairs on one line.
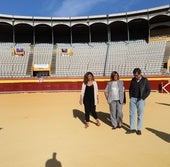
[[124, 57], [42, 53], [99, 58], [85, 58], [10, 65]]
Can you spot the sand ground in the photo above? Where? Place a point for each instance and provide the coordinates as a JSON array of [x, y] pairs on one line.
[[34, 126]]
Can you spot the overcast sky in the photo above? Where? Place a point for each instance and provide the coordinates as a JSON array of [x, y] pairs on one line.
[[66, 8]]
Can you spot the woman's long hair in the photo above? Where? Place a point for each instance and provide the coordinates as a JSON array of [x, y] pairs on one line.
[[85, 81], [113, 74]]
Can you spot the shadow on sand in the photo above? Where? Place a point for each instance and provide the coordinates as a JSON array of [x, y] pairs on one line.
[[53, 162], [164, 136], [79, 114], [166, 104], [105, 118]]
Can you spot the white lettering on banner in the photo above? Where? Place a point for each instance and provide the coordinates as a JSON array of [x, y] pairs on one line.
[[164, 87]]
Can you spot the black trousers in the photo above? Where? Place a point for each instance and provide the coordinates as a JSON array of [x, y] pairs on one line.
[[90, 108]]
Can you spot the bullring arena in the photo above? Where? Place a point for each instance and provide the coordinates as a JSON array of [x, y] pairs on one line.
[[43, 61]]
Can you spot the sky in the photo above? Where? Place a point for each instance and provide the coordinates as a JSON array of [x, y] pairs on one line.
[[75, 8]]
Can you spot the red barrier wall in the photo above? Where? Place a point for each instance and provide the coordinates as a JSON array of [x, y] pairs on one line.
[[56, 84]]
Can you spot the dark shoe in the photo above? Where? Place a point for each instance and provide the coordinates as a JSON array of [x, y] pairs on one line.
[[131, 131], [114, 127], [119, 125], [138, 132]]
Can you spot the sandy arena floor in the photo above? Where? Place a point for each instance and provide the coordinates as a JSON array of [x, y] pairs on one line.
[[35, 126]]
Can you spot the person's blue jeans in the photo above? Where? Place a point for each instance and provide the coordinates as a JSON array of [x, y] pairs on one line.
[[136, 107]]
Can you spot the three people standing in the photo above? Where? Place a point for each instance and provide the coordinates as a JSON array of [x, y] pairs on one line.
[[114, 92]]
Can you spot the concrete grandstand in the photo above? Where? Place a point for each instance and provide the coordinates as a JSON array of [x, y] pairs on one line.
[[47, 53]]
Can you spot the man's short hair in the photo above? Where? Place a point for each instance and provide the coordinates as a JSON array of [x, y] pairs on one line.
[[137, 70]]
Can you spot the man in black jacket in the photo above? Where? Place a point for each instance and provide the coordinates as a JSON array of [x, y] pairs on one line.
[[139, 90]]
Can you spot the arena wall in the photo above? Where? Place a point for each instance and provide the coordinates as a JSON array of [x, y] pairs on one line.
[[69, 84]]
